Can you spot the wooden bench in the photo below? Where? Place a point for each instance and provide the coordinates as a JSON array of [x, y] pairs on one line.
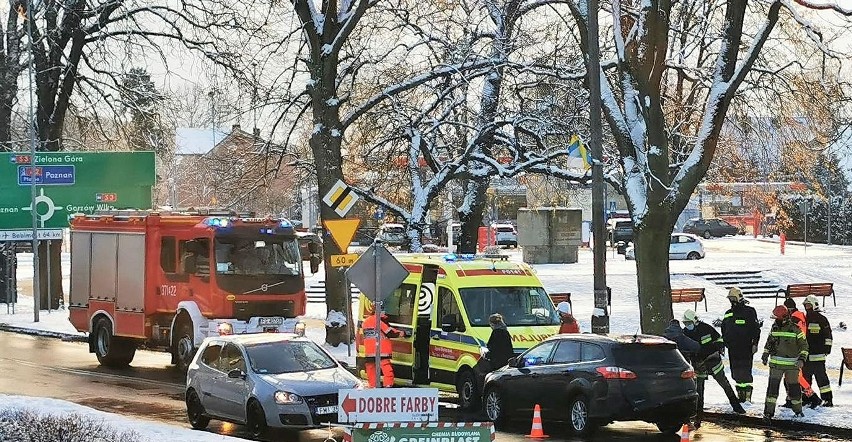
[[823, 289], [847, 362], [556, 298], [694, 295]]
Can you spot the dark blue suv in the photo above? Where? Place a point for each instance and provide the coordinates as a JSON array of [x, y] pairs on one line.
[[591, 380]]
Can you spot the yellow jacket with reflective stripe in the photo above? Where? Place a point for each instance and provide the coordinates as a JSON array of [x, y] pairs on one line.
[[786, 344]]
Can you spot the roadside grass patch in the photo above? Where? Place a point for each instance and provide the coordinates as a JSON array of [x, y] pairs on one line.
[[23, 425]]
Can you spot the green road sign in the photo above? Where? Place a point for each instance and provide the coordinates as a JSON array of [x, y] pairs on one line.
[[72, 182]]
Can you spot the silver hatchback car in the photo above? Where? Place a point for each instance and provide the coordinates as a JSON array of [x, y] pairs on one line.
[[267, 380]]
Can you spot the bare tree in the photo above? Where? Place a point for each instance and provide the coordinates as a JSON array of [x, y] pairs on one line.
[[657, 185], [10, 70]]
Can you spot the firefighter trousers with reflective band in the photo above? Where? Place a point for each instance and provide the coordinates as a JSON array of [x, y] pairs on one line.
[[817, 369], [794, 390], [387, 372], [718, 373], [741, 372]]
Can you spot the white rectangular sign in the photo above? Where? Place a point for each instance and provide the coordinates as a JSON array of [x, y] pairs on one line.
[[388, 405], [27, 235]]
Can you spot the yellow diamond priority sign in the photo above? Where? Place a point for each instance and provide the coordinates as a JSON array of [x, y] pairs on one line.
[[340, 198], [342, 231]]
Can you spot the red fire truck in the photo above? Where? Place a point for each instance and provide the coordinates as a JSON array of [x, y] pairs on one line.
[[167, 280]]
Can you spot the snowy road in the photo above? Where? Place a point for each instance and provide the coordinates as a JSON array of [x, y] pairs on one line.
[[37, 366]]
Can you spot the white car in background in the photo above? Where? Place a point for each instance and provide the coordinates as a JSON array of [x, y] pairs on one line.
[[507, 235], [681, 246]]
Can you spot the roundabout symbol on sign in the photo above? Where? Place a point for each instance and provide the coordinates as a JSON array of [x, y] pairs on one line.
[[46, 200]]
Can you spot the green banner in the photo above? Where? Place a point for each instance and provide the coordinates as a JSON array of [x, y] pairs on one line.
[[431, 432], [72, 182]]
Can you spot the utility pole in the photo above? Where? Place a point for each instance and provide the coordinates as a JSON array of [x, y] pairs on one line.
[[36, 273], [600, 315]]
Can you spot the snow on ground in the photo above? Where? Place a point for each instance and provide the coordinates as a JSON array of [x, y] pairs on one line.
[[817, 263], [147, 430]]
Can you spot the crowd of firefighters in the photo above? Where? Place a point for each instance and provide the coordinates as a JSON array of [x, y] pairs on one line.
[[795, 351]]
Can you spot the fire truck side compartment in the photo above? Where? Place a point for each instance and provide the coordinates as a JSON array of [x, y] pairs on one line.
[[131, 274], [104, 266], [81, 257]]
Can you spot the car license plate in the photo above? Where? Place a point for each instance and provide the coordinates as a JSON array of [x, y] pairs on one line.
[[270, 321], [331, 409]]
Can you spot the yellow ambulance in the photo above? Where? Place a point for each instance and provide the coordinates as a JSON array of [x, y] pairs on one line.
[[445, 304]]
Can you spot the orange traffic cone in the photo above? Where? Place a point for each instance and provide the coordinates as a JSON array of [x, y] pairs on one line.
[[684, 433], [537, 431]]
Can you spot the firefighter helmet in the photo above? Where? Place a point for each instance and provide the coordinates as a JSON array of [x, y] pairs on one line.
[[779, 312], [690, 316], [369, 308], [811, 300], [735, 294]]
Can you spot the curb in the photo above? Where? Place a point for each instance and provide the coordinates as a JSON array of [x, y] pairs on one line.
[[67, 337], [783, 424]]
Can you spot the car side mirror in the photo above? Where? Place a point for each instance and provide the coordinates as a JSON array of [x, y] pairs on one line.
[[236, 374], [315, 263], [513, 362]]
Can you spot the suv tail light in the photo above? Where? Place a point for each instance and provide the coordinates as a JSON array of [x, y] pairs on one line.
[[616, 373], [687, 374]]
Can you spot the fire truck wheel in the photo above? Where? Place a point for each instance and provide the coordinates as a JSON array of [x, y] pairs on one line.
[[184, 347], [112, 351]]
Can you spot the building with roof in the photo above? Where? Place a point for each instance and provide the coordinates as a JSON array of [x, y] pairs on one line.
[[236, 170]]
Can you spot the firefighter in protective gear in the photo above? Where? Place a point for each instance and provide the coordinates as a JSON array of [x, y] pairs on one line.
[[708, 361], [796, 316], [741, 333], [819, 346], [785, 352], [368, 329]]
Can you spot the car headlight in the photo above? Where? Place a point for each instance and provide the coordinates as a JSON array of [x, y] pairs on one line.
[[284, 398]]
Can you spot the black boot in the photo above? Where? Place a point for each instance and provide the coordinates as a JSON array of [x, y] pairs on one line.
[[814, 401], [738, 408], [788, 404]]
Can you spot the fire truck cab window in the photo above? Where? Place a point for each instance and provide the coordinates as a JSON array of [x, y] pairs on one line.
[[168, 254], [195, 256]]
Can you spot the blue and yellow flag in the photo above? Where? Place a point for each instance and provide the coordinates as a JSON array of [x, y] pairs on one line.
[[577, 149]]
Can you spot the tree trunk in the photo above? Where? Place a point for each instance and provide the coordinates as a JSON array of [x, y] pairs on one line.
[[652, 268], [471, 214], [52, 296]]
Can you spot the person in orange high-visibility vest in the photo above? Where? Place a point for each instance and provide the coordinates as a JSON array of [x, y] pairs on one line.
[[368, 329]]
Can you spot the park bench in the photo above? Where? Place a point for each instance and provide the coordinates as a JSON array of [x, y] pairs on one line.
[[694, 295], [560, 297], [823, 289], [847, 362]]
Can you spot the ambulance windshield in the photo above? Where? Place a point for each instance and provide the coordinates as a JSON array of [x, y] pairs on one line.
[[520, 306]]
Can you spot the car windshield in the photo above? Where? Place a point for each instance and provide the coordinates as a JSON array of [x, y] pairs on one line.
[[266, 255], [518, 305], [288, 357]]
